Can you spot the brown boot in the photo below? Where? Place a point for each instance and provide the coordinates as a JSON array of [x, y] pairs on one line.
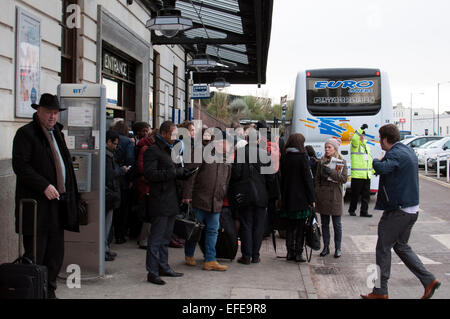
[[190, 261], [214, 265]]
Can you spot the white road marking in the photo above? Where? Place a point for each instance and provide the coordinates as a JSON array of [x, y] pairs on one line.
[[444, 239], [424, 260], [368, 244]]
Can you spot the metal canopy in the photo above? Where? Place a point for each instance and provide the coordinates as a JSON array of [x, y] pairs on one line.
[[234, 32]]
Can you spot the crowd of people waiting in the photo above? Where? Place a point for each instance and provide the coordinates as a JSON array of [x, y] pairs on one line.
[[142, 179], [255, 176]]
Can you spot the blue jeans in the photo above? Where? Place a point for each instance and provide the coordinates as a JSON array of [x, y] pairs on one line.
[[211, 221], [337, 226]]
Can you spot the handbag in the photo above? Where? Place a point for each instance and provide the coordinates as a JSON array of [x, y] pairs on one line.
[[187, 226], [312, 234]]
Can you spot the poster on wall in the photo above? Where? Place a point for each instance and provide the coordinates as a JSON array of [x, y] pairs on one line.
[[28, 47]]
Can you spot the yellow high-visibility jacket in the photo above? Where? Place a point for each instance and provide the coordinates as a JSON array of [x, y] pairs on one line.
[[361, 159]]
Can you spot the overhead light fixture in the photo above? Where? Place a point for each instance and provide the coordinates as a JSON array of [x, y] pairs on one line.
[[169, 22], [220, 83], [202, 62]]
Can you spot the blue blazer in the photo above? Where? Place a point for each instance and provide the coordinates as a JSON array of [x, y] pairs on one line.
[[399, 178]]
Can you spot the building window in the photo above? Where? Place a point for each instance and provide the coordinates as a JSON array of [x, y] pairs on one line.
[[175, 94], [68, 47], [119, 77]]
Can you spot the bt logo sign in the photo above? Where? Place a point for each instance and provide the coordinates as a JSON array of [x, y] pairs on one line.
[[80, 91]]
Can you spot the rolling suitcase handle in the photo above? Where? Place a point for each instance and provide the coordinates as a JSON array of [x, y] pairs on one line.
[[34, 202]]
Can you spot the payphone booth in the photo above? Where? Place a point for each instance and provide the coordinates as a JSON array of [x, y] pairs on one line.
[[85, 133]]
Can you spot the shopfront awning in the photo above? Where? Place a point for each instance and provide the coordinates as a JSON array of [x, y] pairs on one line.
[[236, 33]]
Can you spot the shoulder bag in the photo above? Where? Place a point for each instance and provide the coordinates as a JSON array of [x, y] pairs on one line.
[[312, 234]]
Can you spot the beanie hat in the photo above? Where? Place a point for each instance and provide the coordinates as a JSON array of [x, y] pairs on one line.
[[334, 142]]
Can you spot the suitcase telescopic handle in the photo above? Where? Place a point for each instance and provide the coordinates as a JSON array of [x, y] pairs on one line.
[[34, 202]]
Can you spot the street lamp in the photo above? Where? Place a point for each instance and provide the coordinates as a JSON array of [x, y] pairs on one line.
[[438, 128], [168, 22], [411, 115], [220, 83]]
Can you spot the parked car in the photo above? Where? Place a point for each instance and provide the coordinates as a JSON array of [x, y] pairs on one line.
[[442, 162], [431, 150], [418, 141], [421, 151]]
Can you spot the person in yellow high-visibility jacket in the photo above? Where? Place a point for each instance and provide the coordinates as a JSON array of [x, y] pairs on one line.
[[361, 162]]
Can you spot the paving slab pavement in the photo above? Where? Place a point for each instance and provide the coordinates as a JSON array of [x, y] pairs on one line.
[[126, 278], [275, 278]]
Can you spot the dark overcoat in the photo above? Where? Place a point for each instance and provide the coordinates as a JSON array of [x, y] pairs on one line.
[[33, 164], [249, 170], [297, 184], [160, 172]]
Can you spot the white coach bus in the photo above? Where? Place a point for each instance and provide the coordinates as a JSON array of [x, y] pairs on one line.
[[336, 102]]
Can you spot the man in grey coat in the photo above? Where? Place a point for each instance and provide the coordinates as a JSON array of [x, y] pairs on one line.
[[398, 197]]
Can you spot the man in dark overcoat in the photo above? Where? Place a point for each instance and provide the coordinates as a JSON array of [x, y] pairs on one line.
[[45, 173], [161, 173]]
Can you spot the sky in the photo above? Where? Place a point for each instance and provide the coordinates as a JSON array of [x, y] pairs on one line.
[[408, 39]]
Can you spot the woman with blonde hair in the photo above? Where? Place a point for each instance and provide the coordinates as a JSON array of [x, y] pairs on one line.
[[328, 185]]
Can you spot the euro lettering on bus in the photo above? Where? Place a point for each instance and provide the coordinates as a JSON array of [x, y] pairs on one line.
[[348, 84]]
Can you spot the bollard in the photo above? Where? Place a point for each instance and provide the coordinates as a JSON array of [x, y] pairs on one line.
[[448, 168], [426, 166], [438, 169]]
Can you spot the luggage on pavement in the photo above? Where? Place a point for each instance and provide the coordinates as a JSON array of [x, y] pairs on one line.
[[23, 279], [227, 239]]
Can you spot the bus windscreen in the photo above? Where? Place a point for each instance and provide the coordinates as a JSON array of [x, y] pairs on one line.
[[349, 96]]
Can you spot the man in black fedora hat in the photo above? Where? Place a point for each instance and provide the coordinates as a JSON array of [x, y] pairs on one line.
[[45, 173]]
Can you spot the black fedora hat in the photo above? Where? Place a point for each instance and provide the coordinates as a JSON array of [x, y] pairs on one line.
[[48, 101]]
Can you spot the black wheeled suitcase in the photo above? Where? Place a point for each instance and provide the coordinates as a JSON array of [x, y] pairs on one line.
[[23, 279], [227, 239]]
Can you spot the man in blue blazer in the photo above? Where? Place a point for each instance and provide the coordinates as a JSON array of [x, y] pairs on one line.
[[398, 197]]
